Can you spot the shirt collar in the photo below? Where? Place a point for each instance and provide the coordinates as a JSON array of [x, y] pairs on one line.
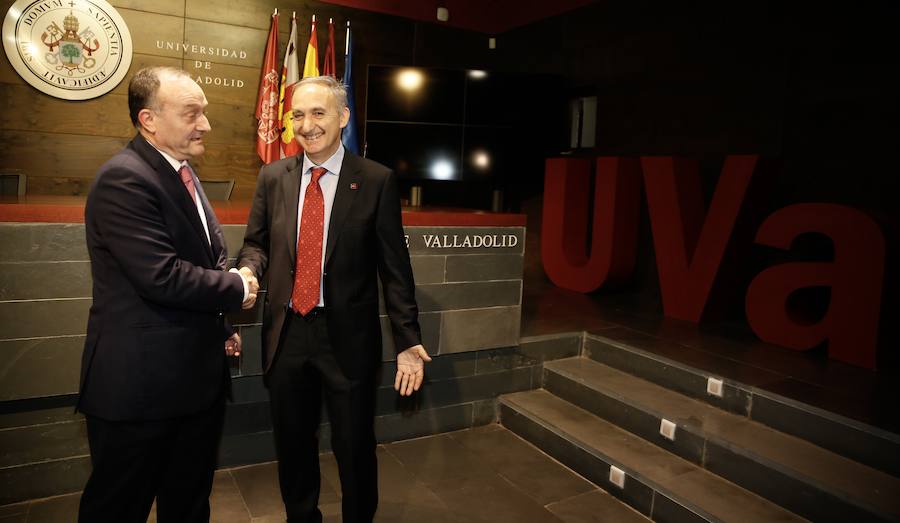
[[176, 164], [332, 164]]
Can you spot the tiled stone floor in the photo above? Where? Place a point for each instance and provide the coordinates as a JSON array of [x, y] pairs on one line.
[[483, 474]]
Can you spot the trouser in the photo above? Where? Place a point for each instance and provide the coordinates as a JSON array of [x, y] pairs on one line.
[[304, 372], [171, 460]]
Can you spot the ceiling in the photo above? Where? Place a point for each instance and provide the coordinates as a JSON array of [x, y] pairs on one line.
[[485, 16]]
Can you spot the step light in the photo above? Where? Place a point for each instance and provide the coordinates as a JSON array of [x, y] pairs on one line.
[[667, 429], [617, 476], [714, 387]]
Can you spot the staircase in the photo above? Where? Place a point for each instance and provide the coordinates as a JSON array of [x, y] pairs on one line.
[[605, 412]]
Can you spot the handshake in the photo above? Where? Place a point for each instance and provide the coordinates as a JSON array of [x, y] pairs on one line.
[[252, 286]]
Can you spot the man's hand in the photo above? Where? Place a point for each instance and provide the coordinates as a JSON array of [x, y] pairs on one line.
[[410, 370], [252, 285], [248, 275], [233, 345]]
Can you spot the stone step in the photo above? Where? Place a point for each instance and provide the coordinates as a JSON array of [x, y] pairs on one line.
[[658, 484], [875, 447], [805, 479], [596, 505]]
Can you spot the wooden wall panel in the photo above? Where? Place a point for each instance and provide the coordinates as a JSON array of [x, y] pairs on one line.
[[59, 185], [104, 116], [56, 154], [249, 13], [231, 123], [229, 161], [209, 34], [8, 75], [164, 7], [148, 29]]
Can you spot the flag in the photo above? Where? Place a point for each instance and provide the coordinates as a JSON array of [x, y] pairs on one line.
[[268, 129], [349, 137], [311, 64], [328, 67], [290, 75]]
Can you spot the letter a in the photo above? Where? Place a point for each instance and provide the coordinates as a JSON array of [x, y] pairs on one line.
[[689, 249], [564, 242], [855, 277]]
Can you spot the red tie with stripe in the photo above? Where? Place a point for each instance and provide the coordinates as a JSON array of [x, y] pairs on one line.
[[188, 181], [308, 267]]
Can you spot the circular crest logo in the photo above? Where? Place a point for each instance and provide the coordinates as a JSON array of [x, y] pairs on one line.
[[70, 49]]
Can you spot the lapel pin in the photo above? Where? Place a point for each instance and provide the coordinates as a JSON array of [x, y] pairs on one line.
[[354, 186]]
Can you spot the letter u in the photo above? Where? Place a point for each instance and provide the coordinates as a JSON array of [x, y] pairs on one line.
[[570, 261]]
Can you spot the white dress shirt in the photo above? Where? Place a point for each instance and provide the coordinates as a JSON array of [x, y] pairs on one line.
[[329, 183]]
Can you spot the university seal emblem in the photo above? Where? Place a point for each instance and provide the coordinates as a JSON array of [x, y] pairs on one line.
[[70, 49]]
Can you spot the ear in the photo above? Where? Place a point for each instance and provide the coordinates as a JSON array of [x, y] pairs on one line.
[[147, 119], [345, 117]]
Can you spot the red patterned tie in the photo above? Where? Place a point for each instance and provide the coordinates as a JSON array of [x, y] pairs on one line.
[[308, 268], [188, 181]]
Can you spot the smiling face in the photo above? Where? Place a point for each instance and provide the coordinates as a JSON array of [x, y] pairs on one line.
[[317, 121], [177, 121]]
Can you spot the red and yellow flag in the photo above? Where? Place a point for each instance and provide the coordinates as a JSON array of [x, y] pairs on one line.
[[290, 75], [311, 64]]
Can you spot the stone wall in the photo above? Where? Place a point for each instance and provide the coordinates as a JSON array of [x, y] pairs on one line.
[[469, 290]]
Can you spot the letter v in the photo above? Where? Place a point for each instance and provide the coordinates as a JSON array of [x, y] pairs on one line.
[[689, 249]]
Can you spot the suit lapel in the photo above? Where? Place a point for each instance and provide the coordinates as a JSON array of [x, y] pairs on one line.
[[343, 200], [172, 184], [290, 189]]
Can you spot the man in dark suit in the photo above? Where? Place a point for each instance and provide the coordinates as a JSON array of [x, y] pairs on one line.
[[154, 373], [325, 225]]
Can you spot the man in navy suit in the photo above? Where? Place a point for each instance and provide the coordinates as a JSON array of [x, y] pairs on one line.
[[325, 225], [154, 373]]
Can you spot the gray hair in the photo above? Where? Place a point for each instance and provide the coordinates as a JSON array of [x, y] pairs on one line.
[[338, 89]]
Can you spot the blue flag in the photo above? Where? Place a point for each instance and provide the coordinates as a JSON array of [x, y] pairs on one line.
[[349, 137]]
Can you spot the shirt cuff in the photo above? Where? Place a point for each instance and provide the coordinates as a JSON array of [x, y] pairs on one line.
[[244, 281]]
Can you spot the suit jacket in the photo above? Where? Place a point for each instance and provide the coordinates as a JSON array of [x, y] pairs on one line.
[[365, 241], [155, 337]]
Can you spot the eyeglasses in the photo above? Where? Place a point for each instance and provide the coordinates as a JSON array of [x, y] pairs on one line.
[[316, 116]]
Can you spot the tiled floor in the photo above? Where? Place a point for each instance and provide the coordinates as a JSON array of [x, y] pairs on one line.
[[484, 474]]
